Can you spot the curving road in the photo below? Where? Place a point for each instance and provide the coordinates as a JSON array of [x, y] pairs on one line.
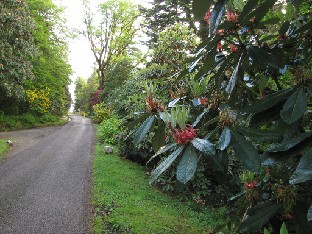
[[45, 181]]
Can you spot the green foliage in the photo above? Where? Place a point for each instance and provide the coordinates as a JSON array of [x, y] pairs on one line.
[[16, 49], [28, 120], [254, 46], [101, 112], [51, 68], [84, 91], [109, 130]]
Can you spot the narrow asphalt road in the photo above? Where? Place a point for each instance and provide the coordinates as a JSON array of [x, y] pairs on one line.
[[45, 188]]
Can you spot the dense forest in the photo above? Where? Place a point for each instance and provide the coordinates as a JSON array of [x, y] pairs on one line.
[[218, 109]]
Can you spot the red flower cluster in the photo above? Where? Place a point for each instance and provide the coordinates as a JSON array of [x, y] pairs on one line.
[[232, 16], [233, 48], [203, 101], [152, 105], [250, 185], [185, 135], [207, 17]]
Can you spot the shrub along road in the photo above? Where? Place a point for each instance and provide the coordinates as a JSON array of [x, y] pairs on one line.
[[45, 187]]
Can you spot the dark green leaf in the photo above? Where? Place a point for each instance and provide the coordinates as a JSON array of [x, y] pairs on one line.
[[187, 165], [204, 146], [232, 82], [260, 135], [198, 119], [266, 231], [269, 101], [249, 7], [263, 58], [258, 216], [200, 8], [303, 171], [295, 106], [300, 215], [304, 28], [140, 119], [284, 28], [162, 150], [245, 152], [227, 25], [262, 10], [159, 138], [274, 20], [143, 130], [290, 143], [216, 16], [165, 164], [309, 215], [225, 139]]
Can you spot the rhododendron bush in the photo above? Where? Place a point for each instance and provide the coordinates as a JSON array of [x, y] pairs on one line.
[[246, 110]]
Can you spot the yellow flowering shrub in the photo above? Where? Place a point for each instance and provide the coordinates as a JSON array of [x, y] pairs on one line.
[[38, 100], [101, 113]]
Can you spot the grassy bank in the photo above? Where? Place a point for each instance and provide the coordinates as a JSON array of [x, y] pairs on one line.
[[25, 121], [125, 203]]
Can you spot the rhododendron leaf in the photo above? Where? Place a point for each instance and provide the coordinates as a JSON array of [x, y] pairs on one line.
[[245, 152], [159, 138], [225, 139], [216, 16], [309, 215], [303, 171], [143, 130], [173, 102], [290, 143], [250, 5], [140, 119], [187, 165], [295, 107], [260, 135], [199, 118], [235, 76], [162, 150], [165, 164], [269, 101], [258, 216], [204, 146]]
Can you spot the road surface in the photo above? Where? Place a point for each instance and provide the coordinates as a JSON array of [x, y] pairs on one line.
[[45, 180]]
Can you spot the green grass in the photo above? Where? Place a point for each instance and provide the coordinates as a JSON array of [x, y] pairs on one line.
[[125, 203], [3, 148]]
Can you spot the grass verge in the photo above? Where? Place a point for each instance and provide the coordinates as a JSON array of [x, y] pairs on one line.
[[125, 203], [3, 148], [25, 121]]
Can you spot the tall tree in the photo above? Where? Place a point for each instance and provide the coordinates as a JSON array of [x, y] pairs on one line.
[[50, 67], [16, 49], [164, 13], [111, 34]]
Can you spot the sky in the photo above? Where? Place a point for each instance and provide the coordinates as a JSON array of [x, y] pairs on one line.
[[80, 56]]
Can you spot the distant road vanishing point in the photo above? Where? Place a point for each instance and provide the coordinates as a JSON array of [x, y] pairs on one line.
[[45, 187]]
